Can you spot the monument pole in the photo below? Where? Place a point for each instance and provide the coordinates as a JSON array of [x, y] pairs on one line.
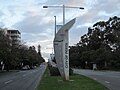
[[61, 44]]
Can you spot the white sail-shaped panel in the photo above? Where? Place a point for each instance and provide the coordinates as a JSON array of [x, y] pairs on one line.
[[61, 49]]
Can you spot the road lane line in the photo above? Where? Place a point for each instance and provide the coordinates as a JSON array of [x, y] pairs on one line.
[[95, 78], [9, 81], [24, 75], [107, 82]]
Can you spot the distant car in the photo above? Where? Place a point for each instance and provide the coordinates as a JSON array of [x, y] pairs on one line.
[[35, 66], [26, 67]]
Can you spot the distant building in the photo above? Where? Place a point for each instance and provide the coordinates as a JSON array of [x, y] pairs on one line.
[[6, 36], [51, 62], [15, 37]]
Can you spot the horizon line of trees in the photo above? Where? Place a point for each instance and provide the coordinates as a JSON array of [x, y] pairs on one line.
[[100, 46], [17, 56]]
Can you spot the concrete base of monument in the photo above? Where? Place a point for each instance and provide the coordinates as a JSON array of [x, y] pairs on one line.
[[62, 81]]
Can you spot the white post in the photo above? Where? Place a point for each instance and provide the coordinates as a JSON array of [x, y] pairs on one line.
[[62, 50], [63, 14], [66, 55], [65, 49]]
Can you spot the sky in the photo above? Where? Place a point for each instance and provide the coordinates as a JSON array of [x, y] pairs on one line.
[[36, 23]]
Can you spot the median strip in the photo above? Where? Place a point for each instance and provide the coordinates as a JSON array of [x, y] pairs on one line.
[[24, 75], [79, 82], [107, 82], [8, 81], [95, 78]]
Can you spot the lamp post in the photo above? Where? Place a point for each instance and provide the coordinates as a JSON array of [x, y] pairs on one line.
[[62, 43], [63, 9], [63, 14], [55, 25]]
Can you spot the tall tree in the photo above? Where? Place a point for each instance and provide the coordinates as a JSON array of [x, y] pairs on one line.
[[101, 44]]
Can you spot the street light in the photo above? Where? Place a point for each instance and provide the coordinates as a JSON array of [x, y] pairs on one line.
[[63, 46], [63, 9], [55, 25], [62, 6]]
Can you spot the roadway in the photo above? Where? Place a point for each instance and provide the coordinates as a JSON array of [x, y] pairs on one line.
[[110, 79], [22, 80]]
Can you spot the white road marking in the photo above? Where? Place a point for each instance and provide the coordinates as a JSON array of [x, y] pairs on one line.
[[34, 71], [107, 82], [24, 75], [8, 81]]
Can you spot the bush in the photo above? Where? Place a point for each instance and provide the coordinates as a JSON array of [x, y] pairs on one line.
[[54, 71], [71, 71]]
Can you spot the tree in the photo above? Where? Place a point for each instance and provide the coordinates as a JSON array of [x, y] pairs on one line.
[[16, 56], [74, 57], [39, 52], [5, 48], [101, 44]]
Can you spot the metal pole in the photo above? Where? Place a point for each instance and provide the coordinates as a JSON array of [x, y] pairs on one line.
[[63, 14], [63, 10], [55, 25]]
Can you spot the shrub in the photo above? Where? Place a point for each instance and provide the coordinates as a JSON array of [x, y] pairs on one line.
[[71, 71], [54, 71]]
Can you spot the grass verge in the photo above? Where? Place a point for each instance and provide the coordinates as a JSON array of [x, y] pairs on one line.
[[79, 83]]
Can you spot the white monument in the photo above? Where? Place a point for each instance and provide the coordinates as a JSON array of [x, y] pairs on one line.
[[61, 49]]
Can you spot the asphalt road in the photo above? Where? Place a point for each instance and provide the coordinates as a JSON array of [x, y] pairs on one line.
[[110, 79], [22, 80]]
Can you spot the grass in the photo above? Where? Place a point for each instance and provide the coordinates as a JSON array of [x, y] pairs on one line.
[[79, 83]]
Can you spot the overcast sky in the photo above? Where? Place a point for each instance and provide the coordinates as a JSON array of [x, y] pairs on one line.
[[37, 24]]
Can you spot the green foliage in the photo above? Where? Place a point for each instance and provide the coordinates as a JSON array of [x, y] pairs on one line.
[[101, 45], [79, 83], [14, 56], [70, 71], [54, 71]]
